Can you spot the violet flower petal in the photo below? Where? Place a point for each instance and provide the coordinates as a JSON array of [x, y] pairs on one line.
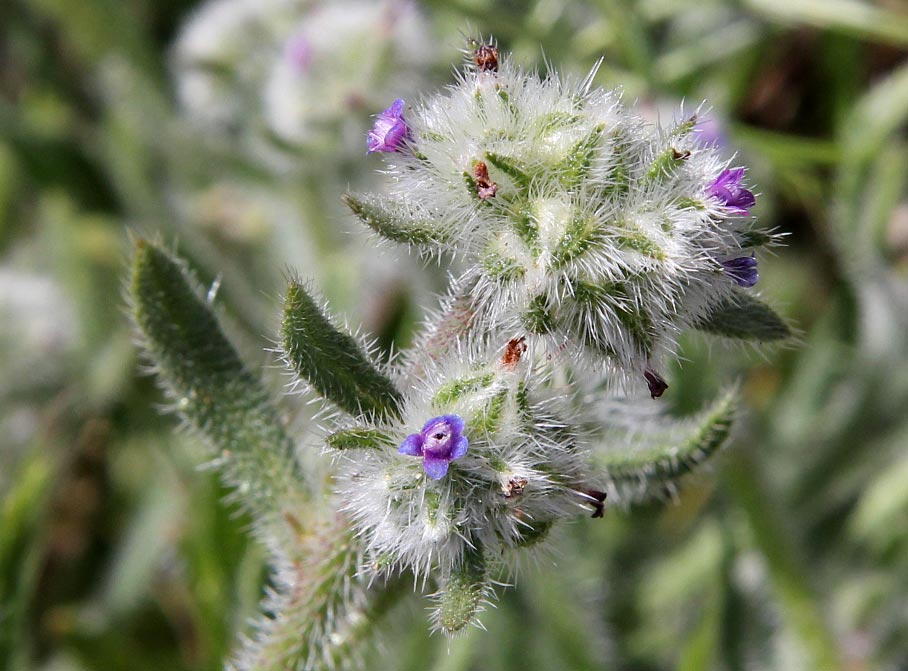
[[389, 130], [460, 448], [436, 468], [742, 270], [727, 188], [412, 445]]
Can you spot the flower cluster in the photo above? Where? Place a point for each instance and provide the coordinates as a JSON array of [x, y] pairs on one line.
[[495, 464], [582, 229], [578, 221]]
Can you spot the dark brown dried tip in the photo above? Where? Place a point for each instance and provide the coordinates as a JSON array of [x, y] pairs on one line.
[[680, 155], [485, 187], [654, 381], [598, 502], [512, 353], [514, 487], [486, 58]]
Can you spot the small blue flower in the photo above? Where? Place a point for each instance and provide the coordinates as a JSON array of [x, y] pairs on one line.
[[439, 443], [742, 270], [727, 188], [389, 129]]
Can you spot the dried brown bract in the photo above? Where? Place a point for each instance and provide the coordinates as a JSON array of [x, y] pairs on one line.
[[486, 58]]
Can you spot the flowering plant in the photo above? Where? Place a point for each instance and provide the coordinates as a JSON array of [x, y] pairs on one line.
[[588, 240]]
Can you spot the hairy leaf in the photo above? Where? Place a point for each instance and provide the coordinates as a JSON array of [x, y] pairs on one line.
[[743, 317], [213, 391], [331, 360], [394, 222], [461, 599], [654, 453]]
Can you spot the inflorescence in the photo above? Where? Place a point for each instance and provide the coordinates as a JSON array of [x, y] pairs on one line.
[[589, 239]]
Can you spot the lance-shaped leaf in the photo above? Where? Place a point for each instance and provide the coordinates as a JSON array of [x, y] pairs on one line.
[[331, 360], [642, 457], [463, 596], [743, 317], [212, 389], [395, 221]]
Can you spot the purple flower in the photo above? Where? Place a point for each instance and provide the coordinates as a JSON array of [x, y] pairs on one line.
[[742, 270], [439, 443], [728, 189], [389, 129], [299, 53]]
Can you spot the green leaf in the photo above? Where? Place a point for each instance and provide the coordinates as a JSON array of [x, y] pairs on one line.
[[665, 449], [743, 317], [461, 599], [331, 360], [394, 222], [23, 527], [214, 392]]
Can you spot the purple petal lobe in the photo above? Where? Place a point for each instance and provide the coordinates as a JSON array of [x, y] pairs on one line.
[[453, 421], [412, 445], [436, 468], [389, 130], [728, 189], [742, 270], [460, 447]]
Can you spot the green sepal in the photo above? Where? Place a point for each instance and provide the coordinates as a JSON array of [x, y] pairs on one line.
[[640, 243], [574, 168], [755, 238], [533, 533], [461, 598], [394, 222], [685, 127], [510, 167], [452, 392], [359, 438], [487, 419], [671, 449], [331, 360], [614, 297], [743, 317], [539, 317], [666, 163], [581, 234], [213, 391]]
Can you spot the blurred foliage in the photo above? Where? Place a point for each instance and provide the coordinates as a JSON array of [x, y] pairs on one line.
[[115, 549]]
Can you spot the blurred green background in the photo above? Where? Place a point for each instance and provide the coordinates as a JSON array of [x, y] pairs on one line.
[[229, 130]]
